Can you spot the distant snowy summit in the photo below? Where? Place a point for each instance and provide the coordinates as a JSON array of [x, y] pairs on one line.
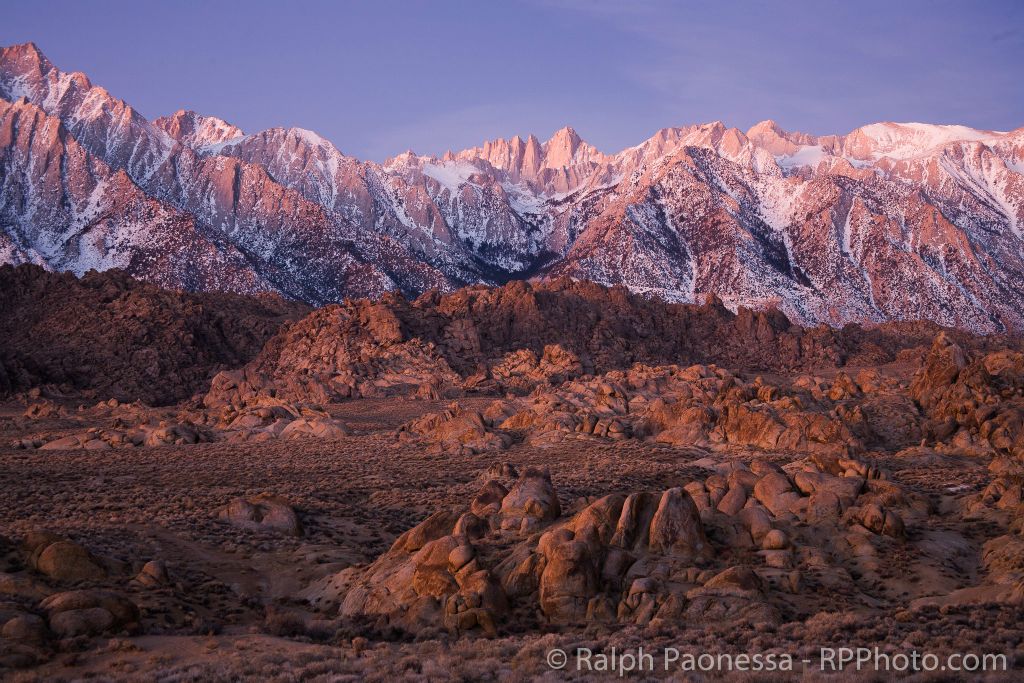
[[890, 221]]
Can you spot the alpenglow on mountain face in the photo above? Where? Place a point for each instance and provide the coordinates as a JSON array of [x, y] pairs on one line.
[[891, 221]]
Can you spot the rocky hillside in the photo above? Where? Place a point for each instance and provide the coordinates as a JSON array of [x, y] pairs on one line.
[[117, 337], [888, 222], [114, 336], [513, 338]]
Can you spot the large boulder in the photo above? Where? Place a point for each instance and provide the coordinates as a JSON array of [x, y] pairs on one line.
[[569, 578], [775, 491], [264, 512], [65, 560], [531, 502], [676, 526], [89, 613]]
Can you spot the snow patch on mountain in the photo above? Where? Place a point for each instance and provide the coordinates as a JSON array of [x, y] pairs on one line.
[[311, 137], [913, 140], [809, 155], [451, 174]]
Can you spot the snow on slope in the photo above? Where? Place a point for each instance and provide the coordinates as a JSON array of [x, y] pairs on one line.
[[451, 174], [888, 221], [914, 140]]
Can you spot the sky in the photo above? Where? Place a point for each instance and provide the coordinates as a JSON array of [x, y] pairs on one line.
[[381, 77]]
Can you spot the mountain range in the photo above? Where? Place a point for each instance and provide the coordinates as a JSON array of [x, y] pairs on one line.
[[892, 221]]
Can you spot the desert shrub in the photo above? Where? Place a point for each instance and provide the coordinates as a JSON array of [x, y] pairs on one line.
[[283, 623]]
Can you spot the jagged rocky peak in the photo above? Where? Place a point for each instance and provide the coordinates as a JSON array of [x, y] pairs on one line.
[[298, 142], [309, 137], [561, 148], [731, 142], [197, 131], [25, 59], [288, 147], [872, 142], [527, 159], [566, 149], [26, 72], [714, 135], [405, 159], [772, 137]]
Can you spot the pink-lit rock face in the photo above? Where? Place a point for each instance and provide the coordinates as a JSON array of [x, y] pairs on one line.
[[890, 221], [197, 131]]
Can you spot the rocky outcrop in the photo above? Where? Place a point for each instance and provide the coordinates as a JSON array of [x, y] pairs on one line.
[[643, 557], [523, 370], [696, 406], [349, 351], [975, 403], [524, 335], [940, 370], [477, 340], [530, 503], [455, 430]]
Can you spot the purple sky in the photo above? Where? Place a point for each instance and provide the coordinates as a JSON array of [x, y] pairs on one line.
[[380, 77]]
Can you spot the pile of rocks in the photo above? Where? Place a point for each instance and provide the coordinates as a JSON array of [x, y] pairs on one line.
[[252, 417], [35, 616], [454, 430], [523, 335], [351, 350], [701, 405], [721, 548], [973, 406], [523, 370], [236, 414]]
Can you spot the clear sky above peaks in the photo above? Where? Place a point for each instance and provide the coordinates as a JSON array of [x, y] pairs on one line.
[[380, 77]]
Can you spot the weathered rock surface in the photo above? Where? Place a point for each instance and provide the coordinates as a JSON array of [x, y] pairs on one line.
[[638, 558], [265, 512], [65, 560], [89, 613]]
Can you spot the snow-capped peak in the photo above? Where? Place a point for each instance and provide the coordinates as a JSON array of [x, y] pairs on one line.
[[908, 140], [311, 138], [202, 133]]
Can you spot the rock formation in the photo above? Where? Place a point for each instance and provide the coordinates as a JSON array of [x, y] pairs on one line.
[[642, 557]]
